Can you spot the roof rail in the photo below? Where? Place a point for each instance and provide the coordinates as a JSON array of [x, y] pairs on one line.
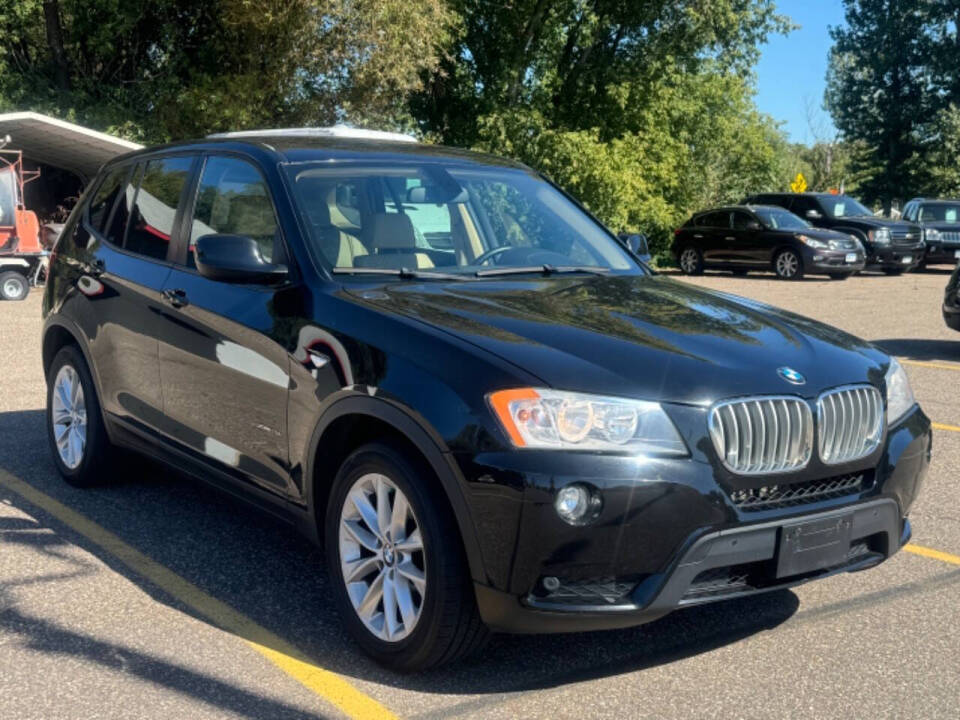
[[337, 131]]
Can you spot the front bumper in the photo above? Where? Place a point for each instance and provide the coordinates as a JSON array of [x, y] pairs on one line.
[[904, 257], [666, 527], [951, 316], [942, 254], [833, 261]]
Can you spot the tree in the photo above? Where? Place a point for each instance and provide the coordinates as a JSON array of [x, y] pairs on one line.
[[942, 155], [880, 91], [155, 70]]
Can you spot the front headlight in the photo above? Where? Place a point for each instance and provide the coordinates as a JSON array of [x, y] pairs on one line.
[[931, 235], [812, 242], [881, 236], [543, 418], [899, 393]]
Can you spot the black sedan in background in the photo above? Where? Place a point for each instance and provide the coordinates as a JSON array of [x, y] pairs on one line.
[[760, 237], [951, 300], [893, 246], [940, 220]]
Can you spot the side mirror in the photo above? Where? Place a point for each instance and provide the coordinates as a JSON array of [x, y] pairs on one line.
[[813, 215], [754, 225], [236, 259], [637, 244]]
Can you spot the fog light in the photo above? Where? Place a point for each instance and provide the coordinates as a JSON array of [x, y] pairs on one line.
[[575, 503]]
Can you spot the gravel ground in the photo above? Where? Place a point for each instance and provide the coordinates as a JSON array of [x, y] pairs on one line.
[[82, 636]]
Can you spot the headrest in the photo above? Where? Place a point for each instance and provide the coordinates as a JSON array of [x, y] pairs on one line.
[[389, 231]]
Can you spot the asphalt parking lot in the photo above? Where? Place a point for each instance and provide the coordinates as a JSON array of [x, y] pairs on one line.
[[156, 597]]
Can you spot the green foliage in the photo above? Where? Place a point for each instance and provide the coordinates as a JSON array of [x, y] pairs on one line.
[[943, 155], [155, 70]]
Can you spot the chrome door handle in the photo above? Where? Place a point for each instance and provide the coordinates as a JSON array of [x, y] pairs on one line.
[[729, 238], [176, 297]]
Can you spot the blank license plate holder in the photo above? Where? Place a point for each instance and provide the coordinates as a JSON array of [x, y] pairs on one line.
[[813, 545]]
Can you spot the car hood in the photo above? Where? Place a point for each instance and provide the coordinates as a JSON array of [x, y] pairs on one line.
[[878, 222], [638, 336]]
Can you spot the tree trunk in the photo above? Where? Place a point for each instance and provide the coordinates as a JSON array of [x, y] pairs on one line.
[[61, 69]]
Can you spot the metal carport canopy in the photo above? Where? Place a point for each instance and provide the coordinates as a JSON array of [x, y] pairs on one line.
[[60, 143]]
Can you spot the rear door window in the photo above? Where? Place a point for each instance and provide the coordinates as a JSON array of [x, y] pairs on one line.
[[105, 197], [233, 199], [742, 220], [715, 220], [154, 212]]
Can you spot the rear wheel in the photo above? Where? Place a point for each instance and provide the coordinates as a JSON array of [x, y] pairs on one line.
[[788, 265], [13, 286], [400, 581], [691, 261], [78, 439]]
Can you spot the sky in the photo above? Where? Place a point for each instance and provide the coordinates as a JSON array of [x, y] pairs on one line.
[[792, 70]]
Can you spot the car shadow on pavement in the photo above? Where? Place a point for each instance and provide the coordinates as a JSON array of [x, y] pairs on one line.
[[263, 569], [918, 349]]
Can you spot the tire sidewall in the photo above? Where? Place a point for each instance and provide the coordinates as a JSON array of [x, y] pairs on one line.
[[698, 268], [86, 473], [776, 262], [387, 461], [24, 283]]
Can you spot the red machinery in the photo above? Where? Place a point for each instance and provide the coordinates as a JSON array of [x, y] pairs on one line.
[[23, 260]]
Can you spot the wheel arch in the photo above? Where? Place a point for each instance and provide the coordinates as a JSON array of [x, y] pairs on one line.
[[356, 419]]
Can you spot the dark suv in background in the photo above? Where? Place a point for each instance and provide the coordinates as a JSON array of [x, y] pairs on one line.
[[892, 246], [940, 221], [764, 237], [490, 413]]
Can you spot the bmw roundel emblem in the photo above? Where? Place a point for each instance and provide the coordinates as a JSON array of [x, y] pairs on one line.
[[791, 376]]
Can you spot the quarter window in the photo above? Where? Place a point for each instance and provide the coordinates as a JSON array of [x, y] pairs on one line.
[[155, 208], [105, 197], [233, 199]]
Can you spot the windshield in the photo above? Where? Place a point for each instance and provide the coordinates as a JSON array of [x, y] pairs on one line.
[[779, 219], [940, 213], [7, 197], [841, 206], [446, 219]]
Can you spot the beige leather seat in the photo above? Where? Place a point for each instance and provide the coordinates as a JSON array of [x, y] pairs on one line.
[[393, 244], [340, 248]]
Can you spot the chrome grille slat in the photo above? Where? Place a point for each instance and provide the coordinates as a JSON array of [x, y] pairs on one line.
[[850, 423], [762, 435], [949, 236]]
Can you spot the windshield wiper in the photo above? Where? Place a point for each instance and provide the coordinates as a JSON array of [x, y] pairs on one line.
[[543, 270], [402, 273]]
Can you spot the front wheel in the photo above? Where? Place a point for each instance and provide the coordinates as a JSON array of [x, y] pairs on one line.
[[788, 265], [691, 261], [13, 286], [399, 577]]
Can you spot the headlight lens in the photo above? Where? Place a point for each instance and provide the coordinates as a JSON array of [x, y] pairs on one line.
[[543, 418], [812, 242], [899, 393], [931, 235], [881, 236]]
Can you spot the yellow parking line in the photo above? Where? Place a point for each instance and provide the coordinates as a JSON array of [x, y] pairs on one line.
[[941, 426], [931, 553], [328, 685], [939, 366]]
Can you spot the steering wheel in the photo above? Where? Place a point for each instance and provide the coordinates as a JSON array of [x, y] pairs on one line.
[[489, 255]]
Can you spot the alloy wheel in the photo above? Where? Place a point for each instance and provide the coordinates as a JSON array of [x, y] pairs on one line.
[[787, 265], [69, 417], [689, 261], [382, 558]]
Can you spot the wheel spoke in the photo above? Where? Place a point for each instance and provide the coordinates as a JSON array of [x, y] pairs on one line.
[[398, 520], [359, 569], [60, 433], [408, 612], [414, 574], [369, 515], [383, 506], [363, 537], [368, 606], [390, 607], [411, 544]]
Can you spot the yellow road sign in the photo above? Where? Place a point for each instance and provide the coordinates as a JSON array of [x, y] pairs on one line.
[[799, 183]]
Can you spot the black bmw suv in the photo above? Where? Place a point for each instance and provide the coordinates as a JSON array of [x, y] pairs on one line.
[[893, 246], [439, 366], [764, 237]]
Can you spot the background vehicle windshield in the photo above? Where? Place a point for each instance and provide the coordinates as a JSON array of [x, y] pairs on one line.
[[451, 218], [941, 212], [844, 206], [778, 219]]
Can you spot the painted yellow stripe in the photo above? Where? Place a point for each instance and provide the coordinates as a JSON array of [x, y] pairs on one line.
[[937, 365], [931, 553], [941, 426], [328, 685]]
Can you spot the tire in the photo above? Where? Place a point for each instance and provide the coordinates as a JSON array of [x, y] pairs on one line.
[[690, 260], [13, 286], [93, 464], [840, 276], [788, 265], [893, 271], [445, 624]]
